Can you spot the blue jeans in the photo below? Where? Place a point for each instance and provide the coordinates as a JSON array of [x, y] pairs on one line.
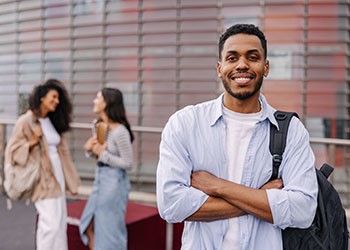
[[107, 206]]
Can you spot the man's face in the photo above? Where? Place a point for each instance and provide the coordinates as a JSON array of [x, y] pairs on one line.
[[242, 66]]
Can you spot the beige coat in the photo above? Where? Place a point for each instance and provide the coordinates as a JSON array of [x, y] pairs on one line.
[[18, 152]]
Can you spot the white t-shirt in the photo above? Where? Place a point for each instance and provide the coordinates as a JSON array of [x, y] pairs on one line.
[[239, 131], [51, 135]]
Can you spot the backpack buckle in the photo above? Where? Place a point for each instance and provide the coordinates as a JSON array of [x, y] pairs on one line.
[[277, 159]]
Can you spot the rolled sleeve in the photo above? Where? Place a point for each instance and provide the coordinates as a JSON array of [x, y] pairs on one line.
[[176, 199], [20, 153], [18, 148], [279, 205], [291, 209], [295, 205], [178, 207]]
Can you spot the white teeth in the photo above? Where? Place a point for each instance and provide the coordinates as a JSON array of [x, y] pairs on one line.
[[242, 80]]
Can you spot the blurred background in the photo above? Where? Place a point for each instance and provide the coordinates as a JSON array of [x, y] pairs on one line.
[[162, 55]]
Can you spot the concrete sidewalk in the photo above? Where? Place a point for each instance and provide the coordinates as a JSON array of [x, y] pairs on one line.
[[17, 226]]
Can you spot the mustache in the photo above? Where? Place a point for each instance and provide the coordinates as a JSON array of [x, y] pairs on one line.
[[242, 73]]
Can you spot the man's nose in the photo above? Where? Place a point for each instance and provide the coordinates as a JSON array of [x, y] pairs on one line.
[[242, 64]]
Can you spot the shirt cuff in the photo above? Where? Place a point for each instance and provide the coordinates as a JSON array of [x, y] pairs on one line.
[[191, 201], [102, 156], [279, 205]]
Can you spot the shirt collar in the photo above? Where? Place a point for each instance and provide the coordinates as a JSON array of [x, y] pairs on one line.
[[217, 108], [268, 111]]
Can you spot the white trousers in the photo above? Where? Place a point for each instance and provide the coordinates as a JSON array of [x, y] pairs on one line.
[[52, 224]]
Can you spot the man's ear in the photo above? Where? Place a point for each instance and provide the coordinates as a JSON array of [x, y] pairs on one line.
[[218, 69], [266, 68]]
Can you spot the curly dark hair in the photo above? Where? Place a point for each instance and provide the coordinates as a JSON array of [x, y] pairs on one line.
[[248, 29], [61, 117], [115, 109]]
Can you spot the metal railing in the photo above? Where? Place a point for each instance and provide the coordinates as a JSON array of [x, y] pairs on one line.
[[136, 176], [334, 151]]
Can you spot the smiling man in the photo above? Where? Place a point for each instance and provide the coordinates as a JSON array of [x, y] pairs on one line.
[[214, 162]]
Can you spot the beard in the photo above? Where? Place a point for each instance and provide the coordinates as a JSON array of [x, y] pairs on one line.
[[244, 95]]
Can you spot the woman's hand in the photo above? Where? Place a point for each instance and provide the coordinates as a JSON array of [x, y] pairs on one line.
[[98, 148], [90, 143], [37, 134]]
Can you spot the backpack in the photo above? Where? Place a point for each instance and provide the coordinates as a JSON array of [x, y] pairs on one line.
[[328, 230]]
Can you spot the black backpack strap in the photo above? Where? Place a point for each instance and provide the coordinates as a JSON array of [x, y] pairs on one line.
[[278, 139], [326, 170]]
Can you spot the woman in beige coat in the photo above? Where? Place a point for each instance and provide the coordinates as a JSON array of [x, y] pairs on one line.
[[42, 128]]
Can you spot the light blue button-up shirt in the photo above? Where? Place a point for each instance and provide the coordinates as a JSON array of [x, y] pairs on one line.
[[195, 139]]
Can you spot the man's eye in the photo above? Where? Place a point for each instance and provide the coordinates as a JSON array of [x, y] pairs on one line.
[[232, 58], [254, 58]]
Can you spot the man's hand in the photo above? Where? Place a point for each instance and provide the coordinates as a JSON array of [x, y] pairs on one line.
[[274, 184], [205, 182], [246, 199]]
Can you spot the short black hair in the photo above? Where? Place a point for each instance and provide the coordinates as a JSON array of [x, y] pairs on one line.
[[248, 29]]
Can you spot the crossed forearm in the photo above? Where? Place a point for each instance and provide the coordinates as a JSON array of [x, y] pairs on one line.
[[215, 208], [228, 199]]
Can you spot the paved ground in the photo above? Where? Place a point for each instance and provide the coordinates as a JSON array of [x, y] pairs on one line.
[[17, 226]]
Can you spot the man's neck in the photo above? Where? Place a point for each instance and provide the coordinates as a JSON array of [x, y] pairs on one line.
[[247, 106]]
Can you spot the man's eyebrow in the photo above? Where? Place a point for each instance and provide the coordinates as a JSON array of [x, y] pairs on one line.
[[253, 51], [248, 52], [231, 52]]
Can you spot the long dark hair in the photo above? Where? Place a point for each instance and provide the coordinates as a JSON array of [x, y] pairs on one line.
[[61, 117], [115, 109]]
